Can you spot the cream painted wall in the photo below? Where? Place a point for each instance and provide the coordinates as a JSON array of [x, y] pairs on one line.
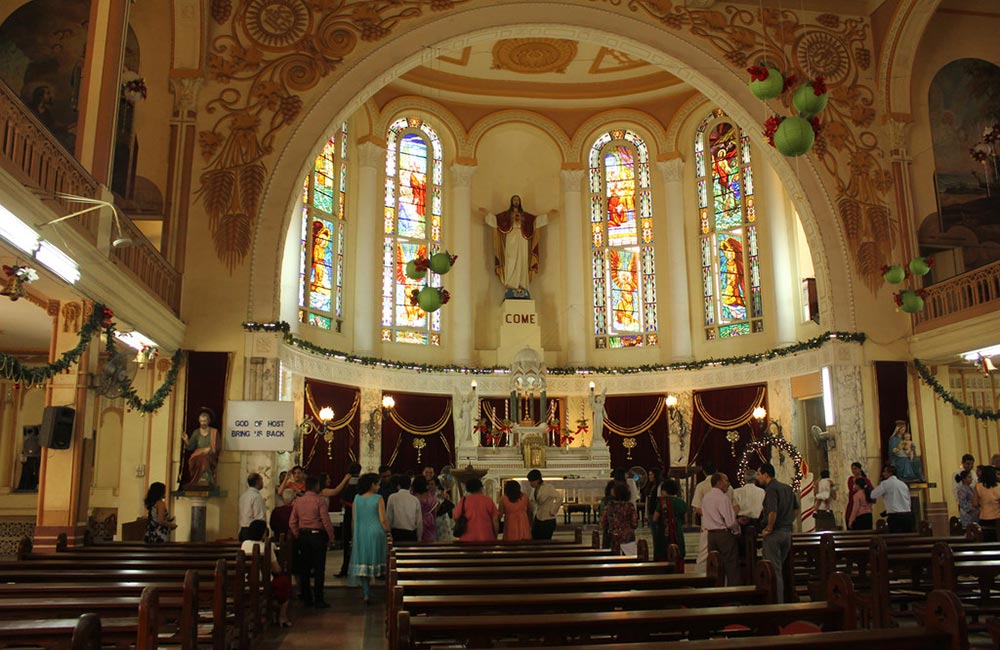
[[18, 408]]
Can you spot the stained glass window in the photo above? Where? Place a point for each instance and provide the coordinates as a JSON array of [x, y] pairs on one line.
[[621, 226], [727, 219], [321, 270], [411, 228]]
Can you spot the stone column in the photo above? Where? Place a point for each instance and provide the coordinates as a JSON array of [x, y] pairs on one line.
[[185, 85], [678, 319], [898, 131], [372, 414], [368, 253], [64, 479], [261, 375], [100, 87], [849, 429], [460, 225], [785, 280], [578, 318]]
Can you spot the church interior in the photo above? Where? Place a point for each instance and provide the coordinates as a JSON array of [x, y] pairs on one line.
[[487, 237]]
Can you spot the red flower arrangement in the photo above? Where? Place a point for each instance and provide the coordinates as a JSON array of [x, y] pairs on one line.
[[413, 297], [790, 81], [421, 263], [758, 73], [108, 318], [819, 86], [771, 126], [445, 296]]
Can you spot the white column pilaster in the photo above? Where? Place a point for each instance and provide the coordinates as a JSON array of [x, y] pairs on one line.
[[785, 279], [578, 320], [460, 225], [368, 254], [678, 320]]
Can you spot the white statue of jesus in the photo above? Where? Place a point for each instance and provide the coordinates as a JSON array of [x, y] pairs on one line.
[[515, 246]]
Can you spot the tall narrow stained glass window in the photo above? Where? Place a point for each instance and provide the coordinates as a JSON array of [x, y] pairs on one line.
[[730, 268], [321, 270], [412, 228], [621, 226]]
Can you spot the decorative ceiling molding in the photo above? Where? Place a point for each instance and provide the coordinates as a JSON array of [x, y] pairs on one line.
[[462, 59], [533, 55], [609, 60], [695, 105], [543, 123]]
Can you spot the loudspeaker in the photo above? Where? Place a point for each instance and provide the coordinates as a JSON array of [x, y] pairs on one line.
[[57, 427]]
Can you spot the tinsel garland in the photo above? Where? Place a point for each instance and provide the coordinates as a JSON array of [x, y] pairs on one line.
[[11, 368], [128, 390], [943, 393], [285, 329], [100, 318]]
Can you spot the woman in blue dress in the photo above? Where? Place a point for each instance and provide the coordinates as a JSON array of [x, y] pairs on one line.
[[370, 528]]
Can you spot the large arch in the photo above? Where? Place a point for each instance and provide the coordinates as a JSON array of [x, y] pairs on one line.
[[902, 41], [690, 60]]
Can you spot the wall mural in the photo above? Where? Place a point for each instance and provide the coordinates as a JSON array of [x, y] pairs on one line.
[[964, 101], [269, 52], [42, 46]]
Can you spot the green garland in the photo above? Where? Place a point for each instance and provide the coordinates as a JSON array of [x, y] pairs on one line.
[[943, 393], [11, 368], [812, 344], [128, 390], [100, 318]]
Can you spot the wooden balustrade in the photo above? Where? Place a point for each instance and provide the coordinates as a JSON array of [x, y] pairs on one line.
[[148, 266], [33, 156], [959, 298]]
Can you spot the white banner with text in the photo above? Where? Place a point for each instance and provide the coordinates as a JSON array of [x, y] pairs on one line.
[[259, 426]]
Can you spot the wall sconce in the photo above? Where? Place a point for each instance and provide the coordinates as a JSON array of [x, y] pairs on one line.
[[375, 419], [759, 414], [592, 387], [674, 415]]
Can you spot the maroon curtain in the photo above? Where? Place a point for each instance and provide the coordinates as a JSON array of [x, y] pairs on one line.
[[207, 375], [893, 403], [418, 411], [333, 457], [708, 444], [651, 447]]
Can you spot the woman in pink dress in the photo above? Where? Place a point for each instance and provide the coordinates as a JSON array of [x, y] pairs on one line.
[[428, 506], [514, 513], [481, 513]]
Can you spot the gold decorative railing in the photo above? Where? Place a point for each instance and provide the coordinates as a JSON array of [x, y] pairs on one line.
[[142, 261], [959, 298], [33, 156]]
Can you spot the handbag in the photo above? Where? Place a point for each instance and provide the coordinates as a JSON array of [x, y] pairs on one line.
[[462, 523]]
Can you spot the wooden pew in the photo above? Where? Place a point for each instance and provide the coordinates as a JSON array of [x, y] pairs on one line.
[[139, 632]]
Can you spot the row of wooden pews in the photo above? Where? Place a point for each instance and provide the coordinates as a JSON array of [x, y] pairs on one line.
[[482, 596], [177, 594]]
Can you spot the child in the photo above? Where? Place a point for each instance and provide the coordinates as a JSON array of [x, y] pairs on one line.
[[824, 492]]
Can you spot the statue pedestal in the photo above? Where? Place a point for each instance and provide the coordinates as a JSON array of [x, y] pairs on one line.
[[519, 329], [198, 515]]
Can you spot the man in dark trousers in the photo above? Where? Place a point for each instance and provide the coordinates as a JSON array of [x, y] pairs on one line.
[[347, 503], [777, 517], [313, 532]]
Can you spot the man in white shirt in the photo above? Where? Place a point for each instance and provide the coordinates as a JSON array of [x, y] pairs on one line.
[[406, 522], [545, 503], [718, 520], [748, 499], [252, 506], [896, 496], [968, 463]]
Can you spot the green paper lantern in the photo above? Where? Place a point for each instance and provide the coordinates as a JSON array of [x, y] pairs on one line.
[[919, 266], [440, 263], [794, 137], [894, 274], [413, 272], [911, 302], [429, 299], [807, 102], [768, 88]]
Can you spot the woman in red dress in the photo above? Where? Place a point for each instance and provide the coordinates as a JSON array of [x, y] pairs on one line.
[[514, 513], [480, 512]]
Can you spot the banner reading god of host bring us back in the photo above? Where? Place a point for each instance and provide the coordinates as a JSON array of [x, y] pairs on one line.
[[259, 426]]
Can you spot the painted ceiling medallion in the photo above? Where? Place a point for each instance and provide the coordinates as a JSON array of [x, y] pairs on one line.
[[277, 24], [823, 55], [533, 55]]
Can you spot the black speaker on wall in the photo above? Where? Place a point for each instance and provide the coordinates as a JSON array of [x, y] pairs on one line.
[[57, 427]]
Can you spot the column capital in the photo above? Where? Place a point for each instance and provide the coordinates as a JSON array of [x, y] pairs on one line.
[[185, 90], [898, 132], [461, 175], [371, 155], [672, 170], [571, 179]]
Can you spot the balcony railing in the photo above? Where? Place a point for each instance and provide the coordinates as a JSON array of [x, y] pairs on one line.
[[33, 156], [959, 298]]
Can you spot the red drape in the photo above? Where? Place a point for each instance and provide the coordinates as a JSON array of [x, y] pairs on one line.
[[893, 403], [207, 376], [418, 411], [651, 448], [332, 458], [708, 443]]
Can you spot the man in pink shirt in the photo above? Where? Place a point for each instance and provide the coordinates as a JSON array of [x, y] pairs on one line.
[[310, 526], [718, 518]]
